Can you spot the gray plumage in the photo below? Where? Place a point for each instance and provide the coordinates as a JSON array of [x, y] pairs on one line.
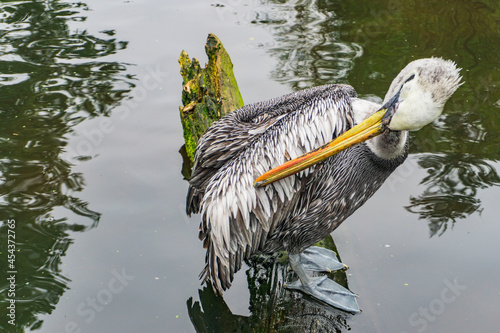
[[238, 220]]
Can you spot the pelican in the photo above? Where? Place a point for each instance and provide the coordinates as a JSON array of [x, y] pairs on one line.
[[284, 173]]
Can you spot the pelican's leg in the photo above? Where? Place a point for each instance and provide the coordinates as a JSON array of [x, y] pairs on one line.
[[322, 288], [319, 259]]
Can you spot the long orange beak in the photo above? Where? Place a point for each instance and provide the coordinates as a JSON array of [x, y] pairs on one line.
[[369, 128]]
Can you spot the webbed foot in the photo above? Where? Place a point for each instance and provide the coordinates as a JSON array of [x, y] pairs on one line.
[[328, 292], [319, 259], [321, 288]]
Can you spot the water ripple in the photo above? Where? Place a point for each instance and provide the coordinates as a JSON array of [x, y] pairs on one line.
[[307, 42], [451, 187], [53, 77]]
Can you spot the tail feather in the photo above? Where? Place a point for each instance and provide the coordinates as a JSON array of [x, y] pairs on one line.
[[215, 271]]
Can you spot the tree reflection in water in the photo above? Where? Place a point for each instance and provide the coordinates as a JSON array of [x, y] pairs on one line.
[[50, 81], [451, 190]]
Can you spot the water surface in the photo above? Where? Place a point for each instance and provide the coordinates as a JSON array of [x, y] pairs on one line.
[[90, 169]]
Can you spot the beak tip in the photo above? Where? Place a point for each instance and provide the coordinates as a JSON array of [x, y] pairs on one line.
[[258, 184]]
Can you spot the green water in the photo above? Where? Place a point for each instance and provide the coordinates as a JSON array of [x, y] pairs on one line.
[[51, 79], [91, 184]]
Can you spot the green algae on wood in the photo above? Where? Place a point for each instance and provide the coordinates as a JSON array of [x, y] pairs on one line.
[[208, 93]]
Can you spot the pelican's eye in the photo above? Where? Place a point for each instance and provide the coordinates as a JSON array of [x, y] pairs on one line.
[[405, 88], [410, 78]]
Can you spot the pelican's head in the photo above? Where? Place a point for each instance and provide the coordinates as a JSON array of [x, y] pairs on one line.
[[415, 98], [417, 95]]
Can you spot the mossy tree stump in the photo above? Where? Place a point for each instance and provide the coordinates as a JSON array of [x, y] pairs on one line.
[[208, 93]]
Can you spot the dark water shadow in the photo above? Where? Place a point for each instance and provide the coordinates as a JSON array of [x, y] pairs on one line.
[[51, 79]]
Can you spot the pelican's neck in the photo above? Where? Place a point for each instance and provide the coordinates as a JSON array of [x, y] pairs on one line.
[[386, 146]]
